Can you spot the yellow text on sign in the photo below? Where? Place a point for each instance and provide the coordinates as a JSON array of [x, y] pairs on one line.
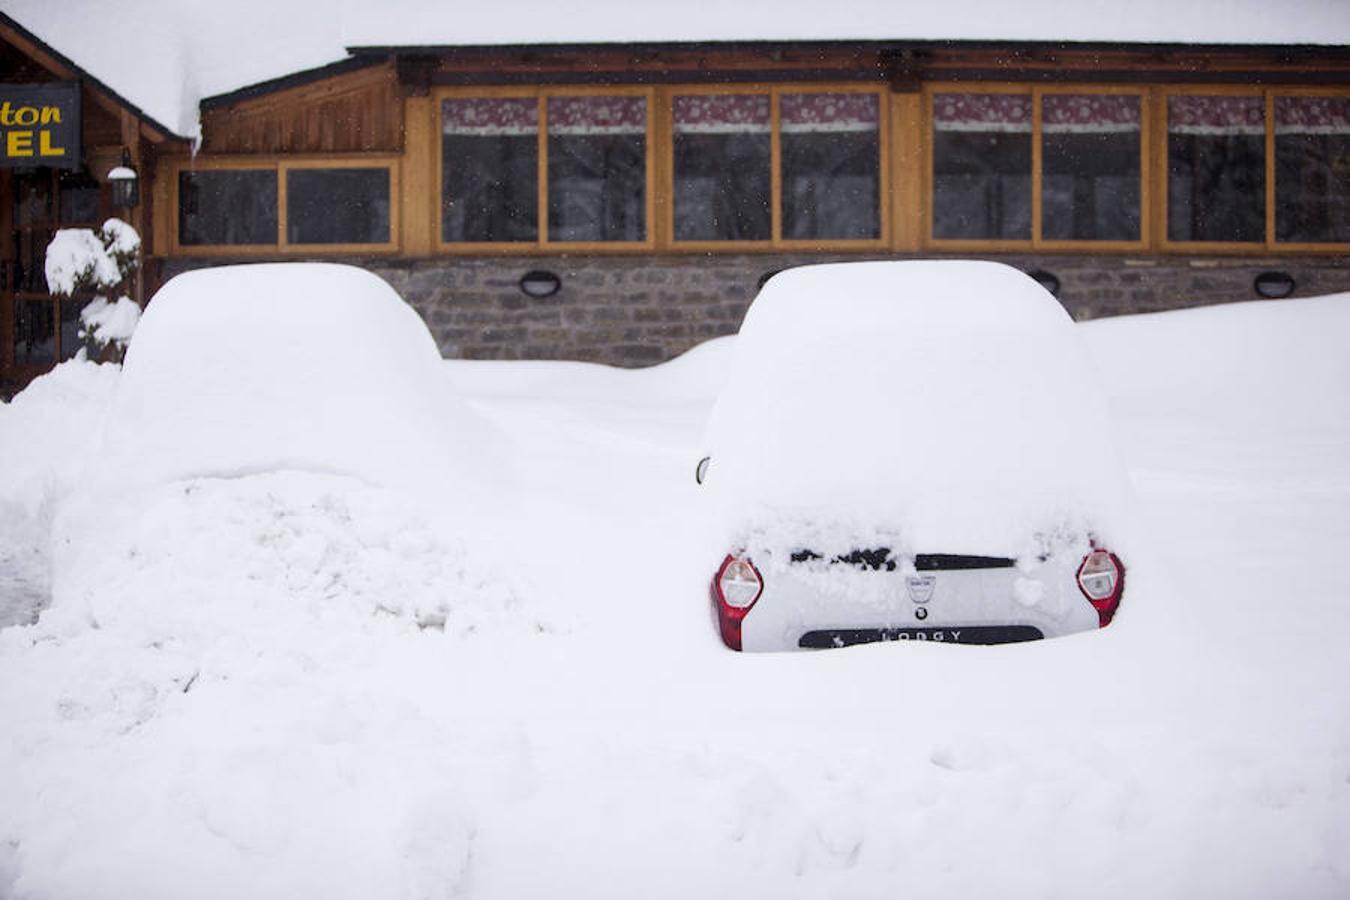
[[20, 143]]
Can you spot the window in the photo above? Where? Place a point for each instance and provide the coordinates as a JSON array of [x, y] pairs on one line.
[[227, 206], [337, 206], [490, 170], [1312, 169], [722, 159], [597, 168], [290, 203], [34, 332], [982, 166], [1090, 167], [831, 155], [1216, 168]]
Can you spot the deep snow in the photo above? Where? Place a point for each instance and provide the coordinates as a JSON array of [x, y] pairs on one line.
[[227, 709]]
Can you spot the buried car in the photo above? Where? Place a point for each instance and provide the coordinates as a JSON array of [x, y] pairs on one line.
[[910, 451]]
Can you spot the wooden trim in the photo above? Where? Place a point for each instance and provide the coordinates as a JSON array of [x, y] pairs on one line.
[[418, 188], [907, 182]]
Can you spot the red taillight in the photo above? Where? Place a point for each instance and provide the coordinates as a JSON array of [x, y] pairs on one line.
[[735, 588], [1101, 578]]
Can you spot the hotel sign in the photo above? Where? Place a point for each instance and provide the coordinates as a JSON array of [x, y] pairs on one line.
[[40, 125]]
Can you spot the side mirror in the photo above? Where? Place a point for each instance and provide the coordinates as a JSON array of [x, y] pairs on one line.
[[701, 470]]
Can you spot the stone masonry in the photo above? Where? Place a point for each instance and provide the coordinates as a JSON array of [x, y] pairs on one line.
[[640, 310]]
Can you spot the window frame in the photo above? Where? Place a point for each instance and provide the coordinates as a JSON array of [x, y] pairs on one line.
[[281, 165], [541, 244], [1036, 242], [776, 241], [1268, 94]]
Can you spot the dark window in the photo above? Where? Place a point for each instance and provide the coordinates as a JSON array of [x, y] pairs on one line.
[[490, 170], [337, 206], [79, 200], [70, 325], [1090, 167], [597, 168], [1216, 168], [227, 206], [982, 166], [1312, 169], [722, 167], [34, 332], [831, 166]]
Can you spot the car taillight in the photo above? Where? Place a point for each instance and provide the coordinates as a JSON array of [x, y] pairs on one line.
[[1101, 578], [735, 588]]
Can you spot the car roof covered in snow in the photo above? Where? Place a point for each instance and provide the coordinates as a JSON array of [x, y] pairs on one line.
[[948, 403], [310, 366]]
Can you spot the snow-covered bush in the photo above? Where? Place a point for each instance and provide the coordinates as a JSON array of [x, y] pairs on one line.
[[80, 259]]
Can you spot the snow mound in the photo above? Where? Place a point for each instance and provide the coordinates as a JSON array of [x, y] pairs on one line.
[[946, 405], [307, 366], [46, 437], [281, 552]]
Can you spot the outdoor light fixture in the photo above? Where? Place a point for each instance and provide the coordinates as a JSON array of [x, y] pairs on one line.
[[1047, 280], [125, 185], [1274, 285], [540, 284]]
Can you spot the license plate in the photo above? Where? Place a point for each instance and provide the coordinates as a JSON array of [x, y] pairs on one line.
[[975, 634]]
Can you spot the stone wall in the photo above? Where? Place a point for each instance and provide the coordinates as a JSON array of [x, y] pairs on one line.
[[639, 310]]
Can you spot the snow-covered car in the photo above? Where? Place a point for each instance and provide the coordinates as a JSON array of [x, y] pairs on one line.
[[910, 451], [319, 367]]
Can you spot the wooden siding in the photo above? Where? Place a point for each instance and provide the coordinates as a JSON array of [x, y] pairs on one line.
[[355, 112]]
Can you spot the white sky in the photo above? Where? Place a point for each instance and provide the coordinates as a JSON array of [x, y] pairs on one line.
[[164, 55]]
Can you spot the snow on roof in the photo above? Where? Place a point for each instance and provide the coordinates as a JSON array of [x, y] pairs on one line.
[[165, 55]]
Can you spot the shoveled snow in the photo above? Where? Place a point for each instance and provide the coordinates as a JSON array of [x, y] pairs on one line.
[[947, 405], [218, 704]]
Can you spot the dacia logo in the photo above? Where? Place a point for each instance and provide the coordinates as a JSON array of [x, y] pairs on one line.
[[920, 587]]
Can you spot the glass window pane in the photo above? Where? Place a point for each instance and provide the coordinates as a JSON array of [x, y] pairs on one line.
[[597, 168], [1216, 168], [490, 169], [34, 332], [227, 207], [337, 206], [70, 326], [79, 200], [831, 151], [28, 270], [722, 168], [1090, 167], [1312, 169], [982, 166]]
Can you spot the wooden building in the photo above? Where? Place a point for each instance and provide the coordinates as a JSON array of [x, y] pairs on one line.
[[41, 190], [621, 203]]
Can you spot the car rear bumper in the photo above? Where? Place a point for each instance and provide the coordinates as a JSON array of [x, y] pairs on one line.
[[817, 604]]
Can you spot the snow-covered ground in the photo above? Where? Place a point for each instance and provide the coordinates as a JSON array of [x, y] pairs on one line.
[[237, 691]]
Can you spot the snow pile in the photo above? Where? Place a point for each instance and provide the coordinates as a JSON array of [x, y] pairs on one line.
[[48, 435], [309, 366], [238, 693], [947, 405]]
